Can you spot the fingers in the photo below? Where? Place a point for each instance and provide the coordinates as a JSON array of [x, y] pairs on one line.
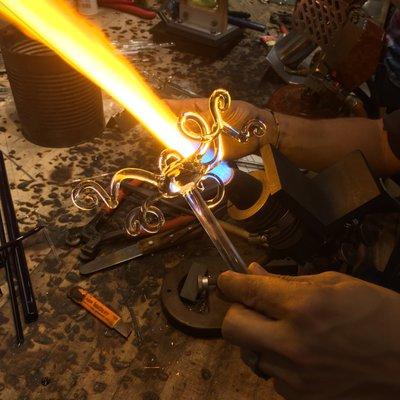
[[267, 294], [324, 278], [328, 278], [179, 107], [251, 359], [272, 365], [246, 328], [282, 388], [234, 150], [278, 366], [256, 269]]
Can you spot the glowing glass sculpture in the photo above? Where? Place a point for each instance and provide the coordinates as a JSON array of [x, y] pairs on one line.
[[181, 176]]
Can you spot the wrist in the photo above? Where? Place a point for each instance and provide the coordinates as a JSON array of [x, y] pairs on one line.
[[273, 129]]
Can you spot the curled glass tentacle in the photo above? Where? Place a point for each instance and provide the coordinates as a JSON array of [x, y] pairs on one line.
[[132, 222], [241, 136], [195, 126], [146, 218], [170, 165], [167, 157], [220, 101], [254, 127], [133, 174], [87, 195], [220, 187]]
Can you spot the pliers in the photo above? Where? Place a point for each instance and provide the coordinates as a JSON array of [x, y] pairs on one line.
[[129, 7]]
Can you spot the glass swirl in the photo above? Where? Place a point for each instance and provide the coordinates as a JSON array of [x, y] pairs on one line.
[[176, 173]]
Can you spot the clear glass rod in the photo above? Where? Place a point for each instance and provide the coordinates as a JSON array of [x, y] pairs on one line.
[[214, 230]]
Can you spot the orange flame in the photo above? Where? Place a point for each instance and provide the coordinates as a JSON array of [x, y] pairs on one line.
[[86, 48]]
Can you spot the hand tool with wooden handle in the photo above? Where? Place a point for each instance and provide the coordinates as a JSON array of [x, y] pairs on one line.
[[99, 310], [142, 247]]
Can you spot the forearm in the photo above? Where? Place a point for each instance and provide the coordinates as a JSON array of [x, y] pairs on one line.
[[317, 144], [310, 144]]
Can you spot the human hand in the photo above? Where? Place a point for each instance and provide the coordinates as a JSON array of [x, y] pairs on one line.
[[325, 336], [237, 115]]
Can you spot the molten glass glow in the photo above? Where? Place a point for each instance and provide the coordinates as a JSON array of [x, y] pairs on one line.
[[86, 48]]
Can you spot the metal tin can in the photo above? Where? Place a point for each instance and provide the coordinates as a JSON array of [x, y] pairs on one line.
[[56, 105]]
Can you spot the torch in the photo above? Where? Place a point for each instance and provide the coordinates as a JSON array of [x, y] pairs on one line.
[[194, 148]]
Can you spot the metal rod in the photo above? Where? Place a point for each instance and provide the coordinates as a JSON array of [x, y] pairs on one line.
[[21, 238], [214, 230], [22, 272], [6, 254], [18, 166]]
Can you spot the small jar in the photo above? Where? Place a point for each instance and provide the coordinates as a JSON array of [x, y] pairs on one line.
[[87, 7]]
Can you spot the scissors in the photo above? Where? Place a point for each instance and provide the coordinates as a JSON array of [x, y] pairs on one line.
[[129, 7]]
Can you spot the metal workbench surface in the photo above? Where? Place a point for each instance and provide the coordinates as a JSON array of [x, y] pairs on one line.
[[68, 354]]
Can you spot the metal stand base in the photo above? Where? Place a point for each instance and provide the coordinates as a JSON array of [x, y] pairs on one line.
[[194, 41], [202, 318]]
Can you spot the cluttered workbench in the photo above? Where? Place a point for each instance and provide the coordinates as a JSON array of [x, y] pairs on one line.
[[67, 353]]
